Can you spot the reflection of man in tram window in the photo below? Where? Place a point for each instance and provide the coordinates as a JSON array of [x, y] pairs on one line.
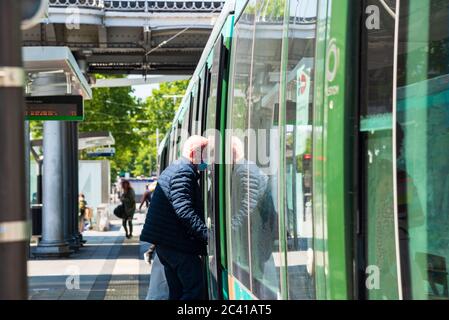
[[410, 214], [255, 206], [380, 208], [424, 272]]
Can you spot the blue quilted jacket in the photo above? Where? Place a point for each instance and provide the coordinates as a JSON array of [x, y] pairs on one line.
[[175, 217]]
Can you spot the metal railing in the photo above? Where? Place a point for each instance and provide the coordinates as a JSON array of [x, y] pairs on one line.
[[141, 5]]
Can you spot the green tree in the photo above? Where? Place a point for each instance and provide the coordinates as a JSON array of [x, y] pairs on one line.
[[113, 109], [132, 123], [157, 113]]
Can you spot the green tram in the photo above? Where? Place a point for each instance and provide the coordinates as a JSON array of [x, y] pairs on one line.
[[343, 107]]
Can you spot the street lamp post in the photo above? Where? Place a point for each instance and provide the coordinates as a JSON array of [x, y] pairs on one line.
[[13, 212]]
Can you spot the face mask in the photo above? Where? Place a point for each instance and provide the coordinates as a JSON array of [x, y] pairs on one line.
[[202, 166]]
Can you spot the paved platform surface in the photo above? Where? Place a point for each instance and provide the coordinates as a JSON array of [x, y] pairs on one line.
[[108, 267]]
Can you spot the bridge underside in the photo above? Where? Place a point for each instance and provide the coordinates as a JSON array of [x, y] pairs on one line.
[[128, 37], [124, 50]]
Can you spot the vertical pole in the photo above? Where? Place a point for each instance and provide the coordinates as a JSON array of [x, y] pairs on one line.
[[27, 177], [40, 164], [76, 179], [27, 165], [53, 242], [13, 214], [74, 185], [67, 183], [65, 180]]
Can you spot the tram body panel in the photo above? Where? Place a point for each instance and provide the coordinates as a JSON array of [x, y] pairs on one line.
[[354, 203]]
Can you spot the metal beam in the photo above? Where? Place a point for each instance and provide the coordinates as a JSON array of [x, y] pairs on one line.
[[168, 57], [140, 71], [112, 83]]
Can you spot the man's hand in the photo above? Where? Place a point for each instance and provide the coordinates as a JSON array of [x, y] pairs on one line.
[[147, 256]]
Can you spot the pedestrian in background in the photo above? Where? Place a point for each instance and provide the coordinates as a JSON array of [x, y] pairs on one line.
[[146, 197], [175, 223], [82, 206], [129, 204]]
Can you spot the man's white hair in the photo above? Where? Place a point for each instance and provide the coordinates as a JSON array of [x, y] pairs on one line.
[[193, 147]]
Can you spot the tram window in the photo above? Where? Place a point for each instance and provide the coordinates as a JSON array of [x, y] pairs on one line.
[[237, 173], [172, 145], [298, 159], [179, 139], [377, 203], [423, 148], [183, 129], [201, 102], [186, 119], [263, 155], [211, 174], [207, 92], [191, 104], [194, 118]]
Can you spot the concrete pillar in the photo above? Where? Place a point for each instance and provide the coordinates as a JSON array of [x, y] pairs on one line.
[[13, 213], [53, 243]]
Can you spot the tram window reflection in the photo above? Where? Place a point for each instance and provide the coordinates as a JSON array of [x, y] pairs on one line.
[[298, 175], [238, 243], [423, 148], [377, 188], [263, 152], [211, 176]]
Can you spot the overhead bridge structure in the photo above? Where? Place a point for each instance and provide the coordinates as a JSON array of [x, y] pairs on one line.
[[128, 37]]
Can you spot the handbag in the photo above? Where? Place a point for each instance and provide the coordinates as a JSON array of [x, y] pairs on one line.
[[119, 211]]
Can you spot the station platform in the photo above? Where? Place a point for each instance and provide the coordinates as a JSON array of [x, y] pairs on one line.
[[107, 267]]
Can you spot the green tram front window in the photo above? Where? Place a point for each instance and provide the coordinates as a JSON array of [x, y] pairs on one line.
[[377, 205], [423, 148], [405, 151]]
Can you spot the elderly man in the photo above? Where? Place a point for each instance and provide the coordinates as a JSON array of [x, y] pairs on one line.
[[175, 222]]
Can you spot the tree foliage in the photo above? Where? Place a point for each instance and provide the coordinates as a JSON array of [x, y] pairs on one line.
[[133, 124], [158, 113]]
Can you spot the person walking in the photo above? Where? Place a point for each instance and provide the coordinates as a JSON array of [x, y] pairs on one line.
[[129, 205], [175, 223], [146, 197], [82, 207]]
